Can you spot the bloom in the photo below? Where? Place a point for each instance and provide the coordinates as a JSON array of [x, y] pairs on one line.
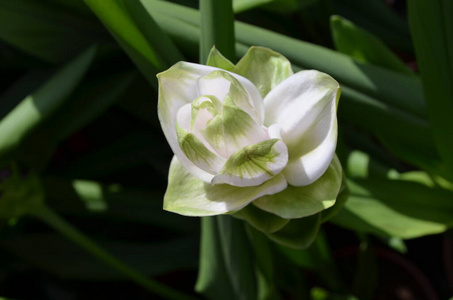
[[250, 132]]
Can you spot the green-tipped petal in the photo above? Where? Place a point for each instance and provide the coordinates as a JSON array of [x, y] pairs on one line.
[[216, 59], [232, 129], [198, 153], [254, 164], [299, 202], [305, 107], [264, 67], [187, 195]]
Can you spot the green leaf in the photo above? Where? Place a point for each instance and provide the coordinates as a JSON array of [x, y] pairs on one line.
[[264, 265], [41, 104], [24, 86], [135, 30], [378, 18], [396, 208], [405, 135], [264, 67], [313, 258], [76, 264], [226, 264], [87, 103], [46, 31], [364, 46], [431, 25], [244, 5], [366, 275], [316, 258], [302, 201], [125, 204], [217, 28]]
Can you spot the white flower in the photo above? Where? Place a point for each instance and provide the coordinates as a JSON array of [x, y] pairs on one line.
[[237, 139]]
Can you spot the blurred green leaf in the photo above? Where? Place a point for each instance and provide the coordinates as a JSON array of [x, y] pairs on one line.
[[432, 30], [364, 46], [366, 275], [395, 208], [264, 265], [217, 28], [56, 254], [378, 18], [226, 265], [24, 86], [244, 5], [122, 203], [87, 103], [316, 258], [46, 31], [150, 49], [41, 104], [124, 153]]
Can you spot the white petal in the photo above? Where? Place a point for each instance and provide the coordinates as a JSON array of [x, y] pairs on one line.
[[232, 130], [196, 149], [218, 84], [178, 86], [304, 105]]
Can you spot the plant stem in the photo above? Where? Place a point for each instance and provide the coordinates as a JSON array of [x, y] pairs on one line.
[[217, 28], [51, 218]]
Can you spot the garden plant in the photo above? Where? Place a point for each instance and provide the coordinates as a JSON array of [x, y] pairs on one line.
[[226, 149]]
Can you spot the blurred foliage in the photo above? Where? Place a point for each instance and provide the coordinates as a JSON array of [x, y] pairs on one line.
[[78, 118]]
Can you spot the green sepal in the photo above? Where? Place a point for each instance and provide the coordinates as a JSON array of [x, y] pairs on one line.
[[298, 233], [216, 59], [264, 68], [261, 220]]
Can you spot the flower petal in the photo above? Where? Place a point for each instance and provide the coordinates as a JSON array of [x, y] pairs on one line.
[[219, 84], [298, 202], [198, 153], [254, 164], [232, 129], [216, 59], [178, 86], [264, 67], [305, 106], [187, 195]]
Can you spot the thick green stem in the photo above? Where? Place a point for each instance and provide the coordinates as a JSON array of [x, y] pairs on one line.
[[48, 216], [217, 28]]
